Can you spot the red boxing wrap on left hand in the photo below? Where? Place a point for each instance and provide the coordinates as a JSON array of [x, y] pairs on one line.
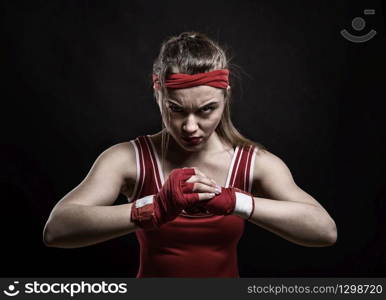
[[230, 201]]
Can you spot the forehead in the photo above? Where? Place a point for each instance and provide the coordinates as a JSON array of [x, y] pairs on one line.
[[196, 95]]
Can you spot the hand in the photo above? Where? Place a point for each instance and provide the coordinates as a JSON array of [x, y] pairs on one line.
[[206, 188], [183, 188], [231, 201]]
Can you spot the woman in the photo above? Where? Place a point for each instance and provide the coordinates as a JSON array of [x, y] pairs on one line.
[[191, 186]]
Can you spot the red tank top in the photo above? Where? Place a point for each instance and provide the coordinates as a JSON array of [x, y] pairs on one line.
[[199, 245]]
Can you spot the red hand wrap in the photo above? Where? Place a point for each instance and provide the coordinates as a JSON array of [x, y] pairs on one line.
[[174, 196], [224, 203]]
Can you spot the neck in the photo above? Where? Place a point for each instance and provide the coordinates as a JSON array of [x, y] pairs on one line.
[[176, 154]]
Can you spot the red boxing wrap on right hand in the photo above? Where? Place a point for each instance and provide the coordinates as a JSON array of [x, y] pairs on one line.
[[175, 195]]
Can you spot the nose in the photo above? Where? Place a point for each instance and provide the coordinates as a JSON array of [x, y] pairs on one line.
[[190, 125]]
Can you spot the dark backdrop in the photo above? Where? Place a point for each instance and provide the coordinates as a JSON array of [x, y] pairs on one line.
[[77, 80]]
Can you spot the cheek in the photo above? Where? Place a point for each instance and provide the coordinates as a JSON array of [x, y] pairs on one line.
[[173, 125], [212, 120], [216, 117]]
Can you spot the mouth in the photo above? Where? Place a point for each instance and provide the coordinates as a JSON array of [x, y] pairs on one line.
[[192, 140]]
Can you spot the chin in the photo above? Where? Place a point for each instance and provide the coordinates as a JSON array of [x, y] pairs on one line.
[[193, 148]]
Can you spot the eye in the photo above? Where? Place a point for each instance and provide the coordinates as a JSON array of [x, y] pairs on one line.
[[207, 109], [175, 108]]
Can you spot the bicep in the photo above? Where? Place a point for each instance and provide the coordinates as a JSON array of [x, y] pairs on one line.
[[106, 178], [273, 180]]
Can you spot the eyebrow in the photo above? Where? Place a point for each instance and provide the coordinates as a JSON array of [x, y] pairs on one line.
[[210, 102]]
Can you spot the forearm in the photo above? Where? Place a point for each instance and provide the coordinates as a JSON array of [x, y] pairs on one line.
[[72, 226], [301, 223]]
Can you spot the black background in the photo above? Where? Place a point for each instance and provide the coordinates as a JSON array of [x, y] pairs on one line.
[[76, 80]]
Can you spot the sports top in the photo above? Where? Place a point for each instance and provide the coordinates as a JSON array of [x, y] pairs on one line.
[[192, 245]]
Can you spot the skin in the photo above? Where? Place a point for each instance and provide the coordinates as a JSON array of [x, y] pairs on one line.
[[85, 216], [195, 112]]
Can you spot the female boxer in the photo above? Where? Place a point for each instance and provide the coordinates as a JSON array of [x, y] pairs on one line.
[[191, 186]]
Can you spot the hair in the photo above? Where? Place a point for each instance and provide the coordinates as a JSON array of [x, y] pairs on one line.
[[192, 53]]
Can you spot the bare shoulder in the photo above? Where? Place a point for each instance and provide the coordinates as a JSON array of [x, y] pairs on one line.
[[273, 180], [120, 157], [268, 164], [108, 176]]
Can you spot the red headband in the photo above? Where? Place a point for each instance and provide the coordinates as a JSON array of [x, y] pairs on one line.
[[217, 78]]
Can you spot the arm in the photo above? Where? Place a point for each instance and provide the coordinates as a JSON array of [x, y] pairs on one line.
[[285, 209], [85, 216]]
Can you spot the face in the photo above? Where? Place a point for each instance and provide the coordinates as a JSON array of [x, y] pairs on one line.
[[194, 115]]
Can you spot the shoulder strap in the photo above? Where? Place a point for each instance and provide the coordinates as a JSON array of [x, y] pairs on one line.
[[242, 169], [148, 178]]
